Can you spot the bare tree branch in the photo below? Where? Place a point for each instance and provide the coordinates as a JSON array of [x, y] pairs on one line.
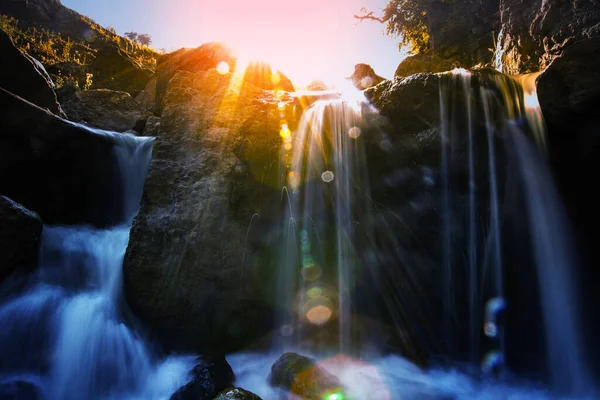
[[370, 16]]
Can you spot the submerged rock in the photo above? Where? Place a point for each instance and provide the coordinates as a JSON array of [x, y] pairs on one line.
[[106, 109], [25, 77], [20, 232], [302, 376], [209, 377], [236, 394]]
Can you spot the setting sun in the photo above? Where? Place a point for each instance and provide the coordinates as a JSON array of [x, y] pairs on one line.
[[313, 39]]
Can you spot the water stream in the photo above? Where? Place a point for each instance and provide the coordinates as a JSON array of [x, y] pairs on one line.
[[64, 333], [67, 334]]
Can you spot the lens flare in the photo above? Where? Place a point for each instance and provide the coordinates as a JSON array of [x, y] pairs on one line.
[[285, 131], [223, 68], [319, 315], [354, 132], [327, 176]]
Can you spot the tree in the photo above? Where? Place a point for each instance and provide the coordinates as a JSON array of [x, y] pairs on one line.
[[141, 38], [133, 36], [419, 22], [406, 19], [144, 39]]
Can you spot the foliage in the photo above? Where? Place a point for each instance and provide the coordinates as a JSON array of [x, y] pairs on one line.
[[414, 21], [51, 48], [46, 46], [141, 38]]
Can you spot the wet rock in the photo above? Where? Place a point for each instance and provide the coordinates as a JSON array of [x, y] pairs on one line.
[[569, 95], [236, 394], [105, 109], [411, 104], [20, 231], [198, 270], [302, 376], [364, 76], [24, 76], [210, 375], [58, 169]]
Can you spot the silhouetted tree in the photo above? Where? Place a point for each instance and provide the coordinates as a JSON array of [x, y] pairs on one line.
[[416, 21], [145, 39], [133, 36]]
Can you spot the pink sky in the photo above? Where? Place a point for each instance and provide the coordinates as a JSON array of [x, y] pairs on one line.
[[305, 39]]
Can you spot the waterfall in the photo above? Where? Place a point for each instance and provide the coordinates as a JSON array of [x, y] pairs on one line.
[[318, 266], [492, 151], [65, 332]]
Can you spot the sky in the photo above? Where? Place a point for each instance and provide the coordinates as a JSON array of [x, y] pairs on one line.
[[304, 39]]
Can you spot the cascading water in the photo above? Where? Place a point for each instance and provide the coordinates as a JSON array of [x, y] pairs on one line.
[[64, 333], [488, 124], [318, 266]]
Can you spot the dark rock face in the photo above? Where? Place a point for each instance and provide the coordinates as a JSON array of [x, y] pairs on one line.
[[113, 68], [364, 76], [203, 58], [569, 95], [210, 376], [535, 32], [302, 376], [236, 394], [20, 231], [106, 109], [402, 100], [19, 390], [22, 75], [60, 170], [192, 268]]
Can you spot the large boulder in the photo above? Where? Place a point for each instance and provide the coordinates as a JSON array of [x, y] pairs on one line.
[[192, 264], [24, 76], [303, 376], [569, 95], [209, 377], [106, 109], [63, 171], [20, 231], [202, 58], [424, 63], [535, 32]]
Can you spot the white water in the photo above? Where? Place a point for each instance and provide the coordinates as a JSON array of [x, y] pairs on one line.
[[387, 378], [64, 331]]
